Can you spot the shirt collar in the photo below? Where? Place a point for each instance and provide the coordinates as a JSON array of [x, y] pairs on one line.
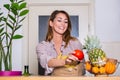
[[52, 43]]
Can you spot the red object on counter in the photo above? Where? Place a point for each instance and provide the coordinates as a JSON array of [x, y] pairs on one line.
[[10, 73], [79, 54]]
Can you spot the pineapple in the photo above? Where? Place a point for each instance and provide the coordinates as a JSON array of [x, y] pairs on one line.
[[96, 55]]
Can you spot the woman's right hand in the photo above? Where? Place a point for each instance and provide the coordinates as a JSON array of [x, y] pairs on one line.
[[71, 58]]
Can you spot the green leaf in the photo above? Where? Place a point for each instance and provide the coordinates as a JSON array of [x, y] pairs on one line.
[[9, 25], [15, 6], [7, 6], [24, 12], [6, 34], [11, 0], [21, 1], [14, 12], [18, 27], [2, 34], [1, 13], [17, 36], [1, 25], [4, 19], [11, 22], [1, 30], [23, 5], [12, 18], [21, 19]]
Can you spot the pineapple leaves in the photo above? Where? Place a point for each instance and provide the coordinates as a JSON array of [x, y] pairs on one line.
[[91, 42]]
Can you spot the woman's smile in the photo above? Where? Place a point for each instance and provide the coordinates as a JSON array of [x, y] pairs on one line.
[[61, 27]]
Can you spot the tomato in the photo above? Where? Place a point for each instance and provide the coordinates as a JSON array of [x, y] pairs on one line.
[[79, 54]]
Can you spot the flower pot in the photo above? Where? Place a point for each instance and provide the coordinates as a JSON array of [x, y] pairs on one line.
[[10, 73]]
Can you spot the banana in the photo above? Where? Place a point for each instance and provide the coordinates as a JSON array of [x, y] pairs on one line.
[[69, 67]]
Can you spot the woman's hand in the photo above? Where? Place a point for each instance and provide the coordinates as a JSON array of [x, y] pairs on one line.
[[70, 59]]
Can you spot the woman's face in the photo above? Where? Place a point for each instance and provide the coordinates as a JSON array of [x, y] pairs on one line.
[[59, 24]]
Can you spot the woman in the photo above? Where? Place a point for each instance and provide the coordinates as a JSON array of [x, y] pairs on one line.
[[54, 54]]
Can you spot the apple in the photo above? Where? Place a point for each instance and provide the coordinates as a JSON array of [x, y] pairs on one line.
[[79, 54]]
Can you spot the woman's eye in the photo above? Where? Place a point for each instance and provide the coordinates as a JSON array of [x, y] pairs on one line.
[[66, 21], [63, 21], [59, 20]]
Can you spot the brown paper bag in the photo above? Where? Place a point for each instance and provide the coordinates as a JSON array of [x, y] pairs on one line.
[[64, 71]]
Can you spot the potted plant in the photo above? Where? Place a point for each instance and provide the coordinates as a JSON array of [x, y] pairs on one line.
[[9, 24]]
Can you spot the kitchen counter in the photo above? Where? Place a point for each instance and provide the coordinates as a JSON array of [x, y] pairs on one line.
[[59, 78]]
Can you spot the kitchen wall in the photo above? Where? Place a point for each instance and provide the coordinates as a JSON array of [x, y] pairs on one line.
[[107, 27], [107, 16]]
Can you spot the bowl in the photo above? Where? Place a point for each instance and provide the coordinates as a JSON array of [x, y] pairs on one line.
[[100, 70]]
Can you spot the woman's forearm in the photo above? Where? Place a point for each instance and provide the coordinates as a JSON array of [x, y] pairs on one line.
[[56, 62]]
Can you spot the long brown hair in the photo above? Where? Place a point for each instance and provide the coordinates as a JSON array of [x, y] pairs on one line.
[[67, 35]]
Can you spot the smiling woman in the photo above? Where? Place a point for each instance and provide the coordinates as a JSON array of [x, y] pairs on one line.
[[43, 29], [59, 42]]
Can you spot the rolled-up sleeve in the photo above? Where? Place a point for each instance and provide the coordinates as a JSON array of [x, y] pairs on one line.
[[43, 57]]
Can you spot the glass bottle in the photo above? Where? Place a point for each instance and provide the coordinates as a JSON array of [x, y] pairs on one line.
[[26, 70]]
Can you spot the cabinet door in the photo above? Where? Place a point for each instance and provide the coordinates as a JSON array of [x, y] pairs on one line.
[[79, 12]]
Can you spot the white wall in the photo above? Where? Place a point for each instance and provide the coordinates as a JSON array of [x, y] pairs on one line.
[[107, 15], [57, 1], [107, 22]]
